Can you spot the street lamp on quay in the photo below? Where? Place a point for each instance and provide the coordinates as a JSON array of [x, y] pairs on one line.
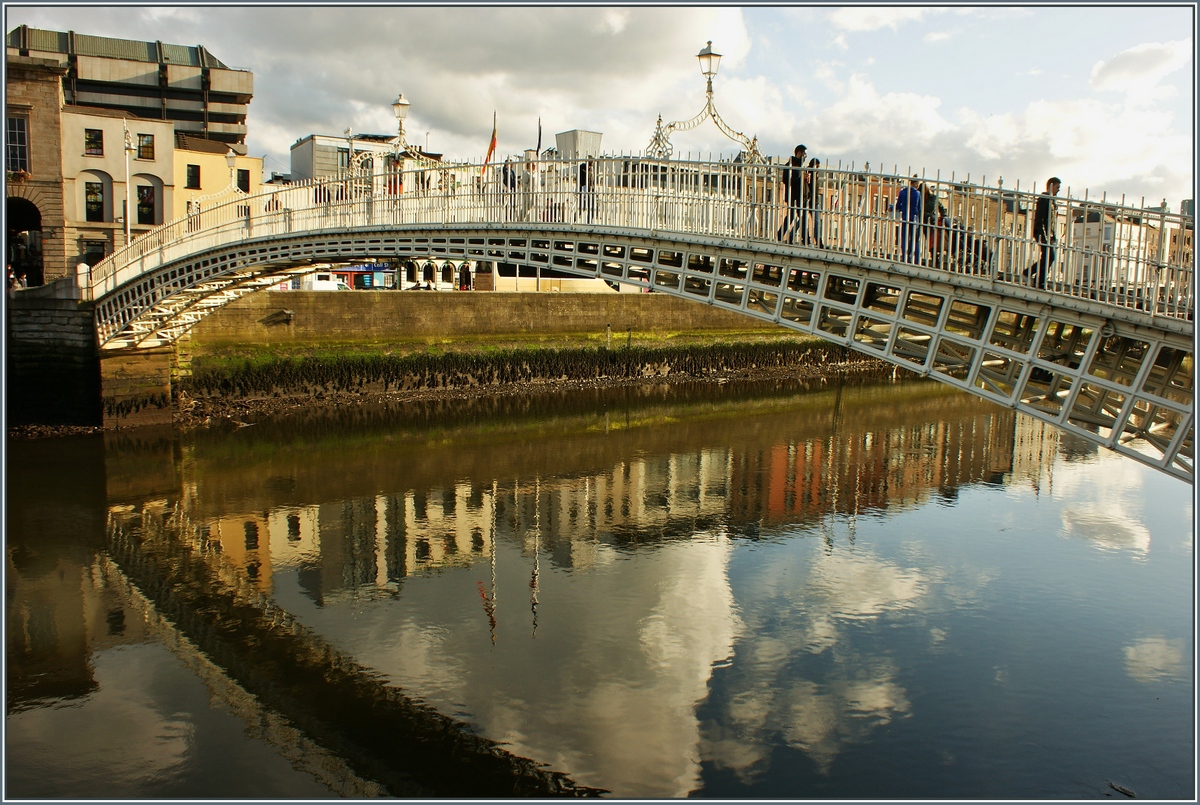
[[660, 144], [129, 149], [231, 161]]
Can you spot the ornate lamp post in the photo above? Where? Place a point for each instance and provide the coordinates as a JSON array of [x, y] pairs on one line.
[[399, 143], [400, 110], [660, 144]]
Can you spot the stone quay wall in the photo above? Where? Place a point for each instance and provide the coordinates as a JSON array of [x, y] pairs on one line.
[[57, 375], [308, 318], [52, 360]]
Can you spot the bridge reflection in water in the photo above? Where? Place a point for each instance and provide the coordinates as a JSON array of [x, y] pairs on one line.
[[192, 554]]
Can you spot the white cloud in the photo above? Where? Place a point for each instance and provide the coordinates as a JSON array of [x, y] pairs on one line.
[[1107, 501], [863, 123], [937, 36], [1138, 70], [872, 18]]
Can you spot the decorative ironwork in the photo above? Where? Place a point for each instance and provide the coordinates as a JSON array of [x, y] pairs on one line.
[[660, 143]]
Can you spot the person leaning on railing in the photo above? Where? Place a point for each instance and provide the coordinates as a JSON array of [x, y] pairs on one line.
[[1044, 218]]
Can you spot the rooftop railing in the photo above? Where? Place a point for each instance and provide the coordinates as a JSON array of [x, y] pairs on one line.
[[1113, 254]]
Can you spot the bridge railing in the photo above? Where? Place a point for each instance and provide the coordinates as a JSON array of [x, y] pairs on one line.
[[1114, 254]]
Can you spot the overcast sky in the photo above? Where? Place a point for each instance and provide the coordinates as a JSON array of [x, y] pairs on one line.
[[1103, 97]]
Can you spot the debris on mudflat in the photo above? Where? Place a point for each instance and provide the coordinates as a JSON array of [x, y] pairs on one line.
[[1121, 789]]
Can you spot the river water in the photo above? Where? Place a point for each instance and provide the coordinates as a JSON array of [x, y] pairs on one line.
[[752, 590]]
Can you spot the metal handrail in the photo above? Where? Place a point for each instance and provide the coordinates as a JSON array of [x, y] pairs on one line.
[[1113, 254]]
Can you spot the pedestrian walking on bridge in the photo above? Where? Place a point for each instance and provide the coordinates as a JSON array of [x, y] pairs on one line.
[[1045, 220], [793, 191]]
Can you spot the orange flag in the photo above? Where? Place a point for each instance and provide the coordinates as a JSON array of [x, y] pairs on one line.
[[491, 146]]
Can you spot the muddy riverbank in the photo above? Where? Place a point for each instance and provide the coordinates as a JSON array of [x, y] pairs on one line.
[[241, 391]]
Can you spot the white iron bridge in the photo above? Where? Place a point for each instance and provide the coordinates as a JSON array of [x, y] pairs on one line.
[[1101, 345]]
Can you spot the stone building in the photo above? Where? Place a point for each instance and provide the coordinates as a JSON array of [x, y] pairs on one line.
[[34, 216]]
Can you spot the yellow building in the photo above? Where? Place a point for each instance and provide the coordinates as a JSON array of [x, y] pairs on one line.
[[209, 173]]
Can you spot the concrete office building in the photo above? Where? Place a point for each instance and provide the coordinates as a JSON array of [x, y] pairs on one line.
[[326, 156], [184, 84], [578, 143]]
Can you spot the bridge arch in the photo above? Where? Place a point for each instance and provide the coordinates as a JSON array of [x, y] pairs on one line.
[[1109, 363]]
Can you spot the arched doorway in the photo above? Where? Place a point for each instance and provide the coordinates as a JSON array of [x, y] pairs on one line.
[[24, 224]]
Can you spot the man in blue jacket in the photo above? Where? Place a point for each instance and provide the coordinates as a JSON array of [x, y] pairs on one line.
[[908, 209]]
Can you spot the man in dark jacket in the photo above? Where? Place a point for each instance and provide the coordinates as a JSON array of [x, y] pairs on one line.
[[1044, 220], [793, 187]]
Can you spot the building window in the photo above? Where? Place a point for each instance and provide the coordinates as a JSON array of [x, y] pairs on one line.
[[93, 193], [93, 142], [343, 159], [243, 180], [193, 177], [145, 146], [145, 205], [18, 144], [93, 251]]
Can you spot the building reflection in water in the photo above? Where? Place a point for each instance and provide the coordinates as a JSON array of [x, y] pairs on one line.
[[353, 545]]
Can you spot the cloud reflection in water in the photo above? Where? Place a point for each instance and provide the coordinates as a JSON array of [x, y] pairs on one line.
[[856, 694]]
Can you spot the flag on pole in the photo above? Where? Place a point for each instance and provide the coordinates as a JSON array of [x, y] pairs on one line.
[[539, 147], [491, 146]]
